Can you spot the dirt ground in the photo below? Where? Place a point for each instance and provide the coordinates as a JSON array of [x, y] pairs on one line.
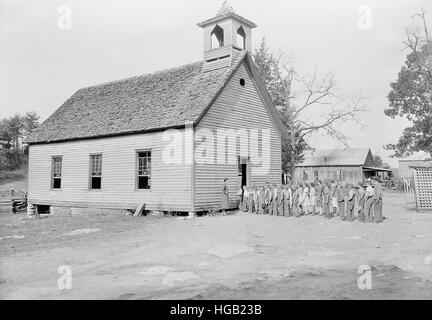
[[239, 256]]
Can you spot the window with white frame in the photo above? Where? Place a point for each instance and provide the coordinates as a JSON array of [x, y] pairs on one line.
[[95, 172], [56, 172], [143, 169]]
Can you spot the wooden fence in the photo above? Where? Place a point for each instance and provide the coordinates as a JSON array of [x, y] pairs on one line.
[[16, 205]]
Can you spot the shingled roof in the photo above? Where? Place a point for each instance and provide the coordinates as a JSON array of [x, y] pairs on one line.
[[152, 102], [333, 157]]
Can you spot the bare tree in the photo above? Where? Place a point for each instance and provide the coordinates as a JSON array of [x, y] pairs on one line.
[[314, 95], [419, 42], [332, 108]]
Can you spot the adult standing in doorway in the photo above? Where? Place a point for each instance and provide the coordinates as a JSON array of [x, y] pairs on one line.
[[225, 196]]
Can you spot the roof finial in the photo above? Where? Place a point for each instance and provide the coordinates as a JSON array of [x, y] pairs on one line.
[[226, 8]]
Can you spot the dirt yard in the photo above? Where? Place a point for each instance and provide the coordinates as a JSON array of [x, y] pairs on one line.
[[240, 256]]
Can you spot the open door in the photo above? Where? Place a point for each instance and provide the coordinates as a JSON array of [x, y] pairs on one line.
[[243, 171], [244, 175]]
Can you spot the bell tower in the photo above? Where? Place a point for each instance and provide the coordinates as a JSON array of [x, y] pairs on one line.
[[225, 37]]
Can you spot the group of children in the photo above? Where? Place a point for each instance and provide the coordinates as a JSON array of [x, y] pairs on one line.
[[362, 201]]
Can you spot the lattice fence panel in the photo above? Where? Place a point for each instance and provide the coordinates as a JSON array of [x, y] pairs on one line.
[[410, 195], [423, 184]]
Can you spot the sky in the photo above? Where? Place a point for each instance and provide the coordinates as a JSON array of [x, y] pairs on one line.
[[50, 49]]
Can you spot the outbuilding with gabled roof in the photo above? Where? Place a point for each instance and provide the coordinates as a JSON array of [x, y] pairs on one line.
[[350, 165]]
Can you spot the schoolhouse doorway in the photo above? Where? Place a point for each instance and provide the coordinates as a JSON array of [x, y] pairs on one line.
[[244, 175], [243, 168]]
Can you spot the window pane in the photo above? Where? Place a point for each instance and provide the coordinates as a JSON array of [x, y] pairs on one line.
[[144, 182], [57, 183], [96, 165], [96, 172], [144, 169], [144, 163], [57, 166], [96, 183], [56, 172]]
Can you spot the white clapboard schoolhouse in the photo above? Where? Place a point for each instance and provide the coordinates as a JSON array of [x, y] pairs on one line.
[[166, 139]]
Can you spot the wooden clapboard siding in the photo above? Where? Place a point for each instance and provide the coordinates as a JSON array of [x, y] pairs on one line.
[[217, 53], [236, 107], [170, 184], [217, 64]]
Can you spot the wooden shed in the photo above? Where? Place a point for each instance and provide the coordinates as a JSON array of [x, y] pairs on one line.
[[351, 165], [166, 139], [406, 166]]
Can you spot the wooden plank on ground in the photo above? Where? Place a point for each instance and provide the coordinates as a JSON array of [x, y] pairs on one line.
[[139, 210]]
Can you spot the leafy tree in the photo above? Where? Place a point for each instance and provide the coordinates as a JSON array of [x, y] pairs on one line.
[[5, 137], [31, 121], [411, 94], [378, 161], [13, 131], [385, 165]]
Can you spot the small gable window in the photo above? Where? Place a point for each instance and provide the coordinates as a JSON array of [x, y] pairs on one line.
[[56, 169], [217, 38], [96, 172], [241, 38]]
